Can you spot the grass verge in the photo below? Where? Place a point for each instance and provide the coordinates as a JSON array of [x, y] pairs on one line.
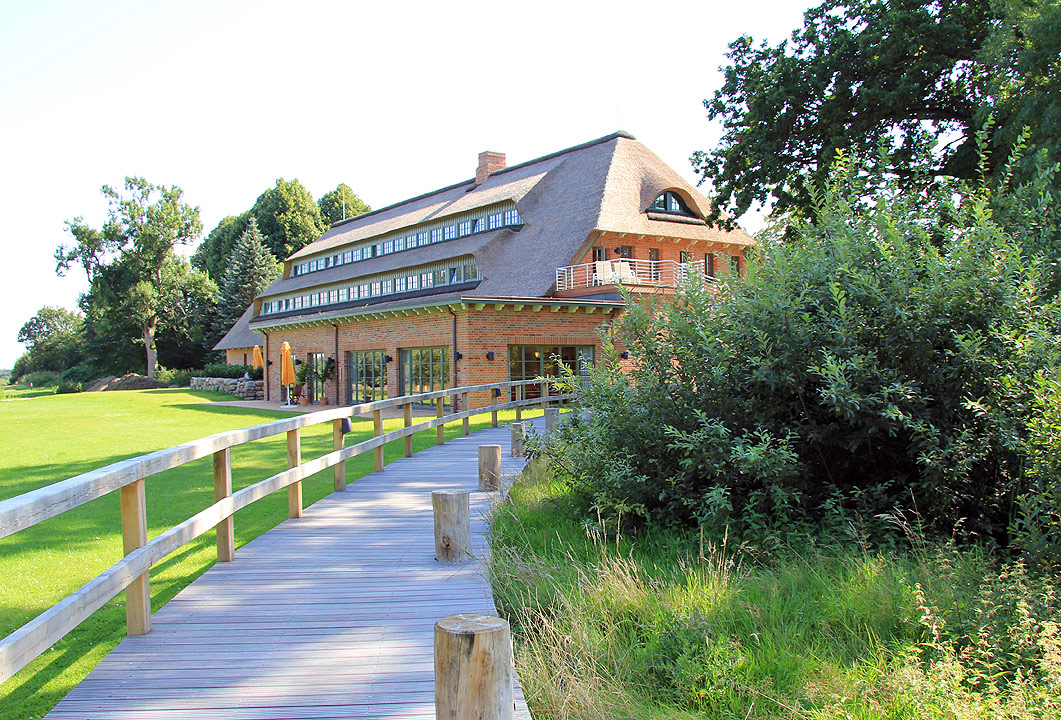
[[47, 438], [670, 625]]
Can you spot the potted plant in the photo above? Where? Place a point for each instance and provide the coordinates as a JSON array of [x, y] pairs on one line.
[[300, 384]]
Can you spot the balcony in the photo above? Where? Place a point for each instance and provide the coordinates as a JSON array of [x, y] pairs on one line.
[[636, 275]]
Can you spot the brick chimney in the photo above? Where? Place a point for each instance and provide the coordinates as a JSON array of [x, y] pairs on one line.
[[489, 163]]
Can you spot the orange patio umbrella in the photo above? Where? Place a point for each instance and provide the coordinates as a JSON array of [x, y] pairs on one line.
[[287, 368], [257, 361]]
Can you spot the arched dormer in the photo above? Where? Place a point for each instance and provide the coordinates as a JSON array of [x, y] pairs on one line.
[[670, 202]]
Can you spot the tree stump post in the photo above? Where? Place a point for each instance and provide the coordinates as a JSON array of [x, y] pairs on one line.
[[552, 416], [489, 467], [453, 535], [473, 668], [519, 434]]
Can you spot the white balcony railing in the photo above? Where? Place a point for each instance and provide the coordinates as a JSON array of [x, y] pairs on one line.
[[651, 273]]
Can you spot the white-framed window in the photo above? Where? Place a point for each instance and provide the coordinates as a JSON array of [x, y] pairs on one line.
[[464, 228], [333, 296], [424, 238], [436, 235], [438, 277], [313, 266], [454, 275], [399, 244], [388, 247], [426, 280], [377, 288], [413, 282], [348, 256], [449, 232], [512, 217], [399, 284], [388, 287], [478, 225], [362, 290], [494, 221]]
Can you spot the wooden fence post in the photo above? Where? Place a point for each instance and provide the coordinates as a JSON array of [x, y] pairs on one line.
[[519, 433], [489, 467], [337, 444], [453, 535], [377, 430], [134, 535], [466, 424], [519, 397], [226, 539], [552, 416], [441, 429], [407, 411], [473, 668], [294, 459]]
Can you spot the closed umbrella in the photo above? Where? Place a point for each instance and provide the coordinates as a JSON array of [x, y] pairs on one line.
[[287, 368], [257, 361]]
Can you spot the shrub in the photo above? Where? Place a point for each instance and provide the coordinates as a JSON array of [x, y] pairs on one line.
[[67, 386], [221, 370], [83, 373], [180, 378], [882, 361], [41, 378]]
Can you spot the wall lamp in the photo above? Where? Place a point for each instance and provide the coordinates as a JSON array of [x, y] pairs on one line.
[[268, 362], [624, 355], [387, 359], [460, 356], [298, 361], [490, 355]]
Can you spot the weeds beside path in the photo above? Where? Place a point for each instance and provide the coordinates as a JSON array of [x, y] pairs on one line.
[[660, 626]]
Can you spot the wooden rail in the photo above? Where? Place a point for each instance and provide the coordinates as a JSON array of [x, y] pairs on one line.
[[131, 573]]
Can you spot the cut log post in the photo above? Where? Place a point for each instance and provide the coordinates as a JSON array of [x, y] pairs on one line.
[[552, 416], [453, 535], [489, 467], [226, 540], [134, 535], [519, 434], [466, 423], [441, 429], [473, 668]]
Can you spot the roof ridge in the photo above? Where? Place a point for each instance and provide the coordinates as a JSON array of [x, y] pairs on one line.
[[471, 181]]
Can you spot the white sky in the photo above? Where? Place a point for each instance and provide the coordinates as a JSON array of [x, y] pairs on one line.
[[394, 99]]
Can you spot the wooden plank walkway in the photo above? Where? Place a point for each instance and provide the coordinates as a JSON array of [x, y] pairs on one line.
[[327, 616]]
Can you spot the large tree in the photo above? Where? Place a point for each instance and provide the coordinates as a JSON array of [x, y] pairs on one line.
[[916, 77], [53, 337], [340, 204], [130, 261], [251, 269]]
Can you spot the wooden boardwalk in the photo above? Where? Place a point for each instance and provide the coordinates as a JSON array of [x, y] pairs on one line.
[[327, 616]]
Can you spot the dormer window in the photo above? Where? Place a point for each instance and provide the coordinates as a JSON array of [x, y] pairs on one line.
[[672, 203]]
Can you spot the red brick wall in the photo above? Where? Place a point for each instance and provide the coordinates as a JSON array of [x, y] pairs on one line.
[[478, 332]]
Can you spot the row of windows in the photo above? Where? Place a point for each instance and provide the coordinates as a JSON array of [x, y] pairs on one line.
[[626, 252], [406, 281], [409, 240]]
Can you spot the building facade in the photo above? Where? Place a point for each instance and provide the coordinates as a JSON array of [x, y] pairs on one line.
[[488, 280]]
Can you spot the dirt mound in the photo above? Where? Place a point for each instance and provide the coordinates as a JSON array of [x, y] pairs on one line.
[[132, 381], [99, 384]]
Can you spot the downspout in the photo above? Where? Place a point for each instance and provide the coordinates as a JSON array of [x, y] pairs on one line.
[[338, 398], [455, 383]]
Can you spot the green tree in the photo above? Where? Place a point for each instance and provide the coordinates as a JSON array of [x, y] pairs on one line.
[[213, 252], [288, 217], [341, 204], [918, 78], [53, 337], [251, 269], [130, 260]]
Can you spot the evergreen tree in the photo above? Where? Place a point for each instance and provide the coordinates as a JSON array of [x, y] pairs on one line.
[[252, 268]]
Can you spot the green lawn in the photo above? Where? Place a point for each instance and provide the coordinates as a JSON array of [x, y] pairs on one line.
[[46, 438]]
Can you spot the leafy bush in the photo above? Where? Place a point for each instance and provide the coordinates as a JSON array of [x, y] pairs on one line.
[[180, 378], [221, 370], [41, 378], [67, 386], [83, 373], [883, 361]]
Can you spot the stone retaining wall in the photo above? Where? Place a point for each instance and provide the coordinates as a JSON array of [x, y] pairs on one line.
[[240, 387]]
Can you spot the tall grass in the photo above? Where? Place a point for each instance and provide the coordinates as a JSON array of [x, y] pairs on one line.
[[681, 625]]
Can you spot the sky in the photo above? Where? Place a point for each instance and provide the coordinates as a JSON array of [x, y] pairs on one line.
[[395, 99]]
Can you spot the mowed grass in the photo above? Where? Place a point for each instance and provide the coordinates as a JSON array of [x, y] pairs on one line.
[[46, 438]]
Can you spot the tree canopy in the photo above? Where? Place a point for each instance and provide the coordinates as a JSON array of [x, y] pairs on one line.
[[341, 204], [904, 84], [134, 275], [251, 269], [53, 339]]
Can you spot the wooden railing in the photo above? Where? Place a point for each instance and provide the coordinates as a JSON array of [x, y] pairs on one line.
[[131, 573]]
